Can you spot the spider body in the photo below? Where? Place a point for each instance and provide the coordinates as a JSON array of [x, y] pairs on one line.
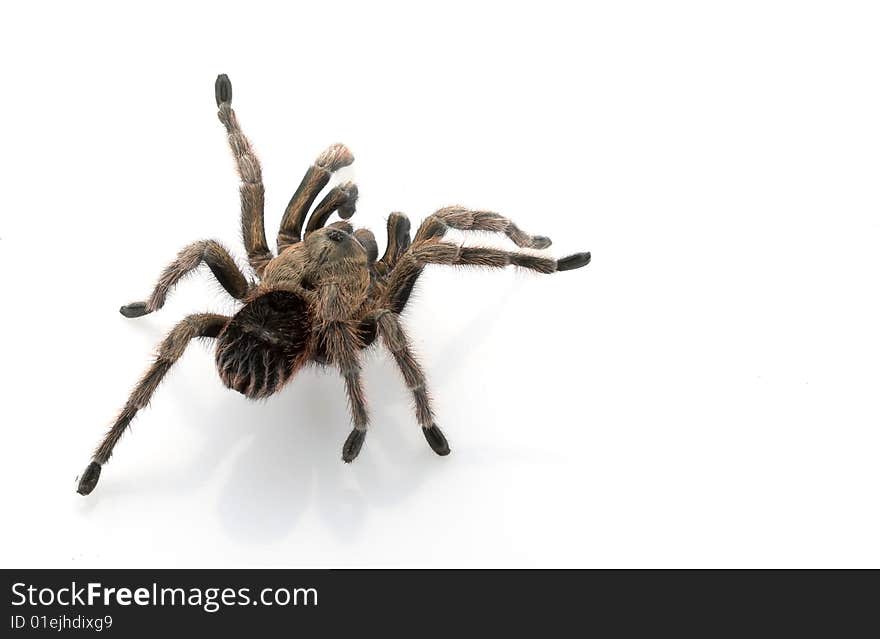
[[322, 299], [275, 333], [264, 344]]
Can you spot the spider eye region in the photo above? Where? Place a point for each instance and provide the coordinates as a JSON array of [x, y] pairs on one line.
[[264, 344], [335, 235]]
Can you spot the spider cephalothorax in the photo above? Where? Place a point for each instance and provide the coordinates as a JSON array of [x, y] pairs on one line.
[[322, 299]]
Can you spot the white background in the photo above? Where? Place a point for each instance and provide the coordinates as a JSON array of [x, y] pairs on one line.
[[705, 393]]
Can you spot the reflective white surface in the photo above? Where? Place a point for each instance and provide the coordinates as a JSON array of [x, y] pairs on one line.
[[703, 394]]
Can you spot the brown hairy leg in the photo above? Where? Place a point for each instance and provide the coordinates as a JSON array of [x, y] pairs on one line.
[[251, 190], [170, 350], [433, 252], [341, 342], [395, 339], [334, 158], [405, 270], [403, 277], [211, 253], [458, 217]]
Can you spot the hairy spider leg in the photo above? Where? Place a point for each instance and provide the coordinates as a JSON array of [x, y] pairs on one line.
[[435, 227], [403, 277], [170, 350], [211, 253], [251, 189], [458, 217], [342, 341], [397, 343]]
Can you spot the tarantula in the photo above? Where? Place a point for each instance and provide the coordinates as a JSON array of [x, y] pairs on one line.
[[324, 298]]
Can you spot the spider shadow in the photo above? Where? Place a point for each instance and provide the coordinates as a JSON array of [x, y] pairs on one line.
[[277, 455], [294, 458]]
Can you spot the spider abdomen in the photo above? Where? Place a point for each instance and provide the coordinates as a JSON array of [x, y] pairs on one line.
[[264, 344]]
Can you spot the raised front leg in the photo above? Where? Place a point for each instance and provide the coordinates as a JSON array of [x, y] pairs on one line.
[[251, 190], [394, 338], [201, 325], [334, 158], [211, 253]]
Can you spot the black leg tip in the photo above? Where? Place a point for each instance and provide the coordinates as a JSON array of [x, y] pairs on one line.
[[89, 478], [352, 445], [541, 242], [136, 309], [436, 440], [573, 261], [223, 89]]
